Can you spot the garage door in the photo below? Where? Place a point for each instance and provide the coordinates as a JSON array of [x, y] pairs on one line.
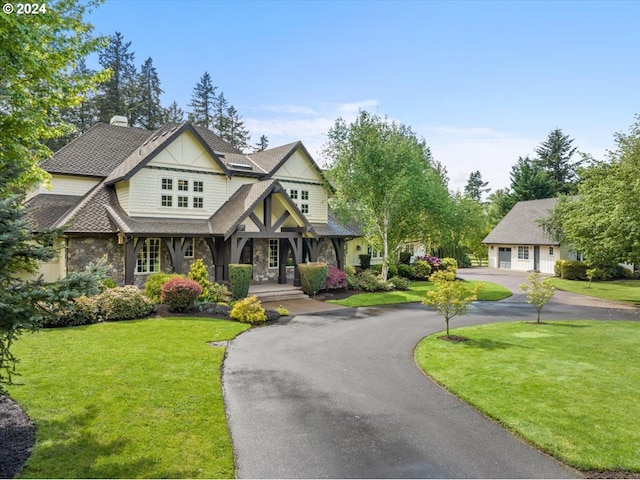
[[504, 257]]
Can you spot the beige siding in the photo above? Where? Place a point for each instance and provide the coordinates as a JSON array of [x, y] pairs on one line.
[[186, 152], [352, 254], [317, 202], [235, 183], [53, 270], [122, 191], [69, 185]]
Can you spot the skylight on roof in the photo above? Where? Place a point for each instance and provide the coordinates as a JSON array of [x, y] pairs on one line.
[[241, 165]]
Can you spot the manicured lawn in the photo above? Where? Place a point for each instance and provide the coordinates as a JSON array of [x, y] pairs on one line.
[[127, 400], [489, 292], [571, 388], [618, 290]]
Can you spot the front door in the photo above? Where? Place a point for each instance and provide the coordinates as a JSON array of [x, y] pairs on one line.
[[536, 258], [504, 257]]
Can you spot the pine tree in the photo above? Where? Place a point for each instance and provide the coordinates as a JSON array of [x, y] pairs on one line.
[[220, 119], [475, 187], [151, 114], [174, 113], [555, 158], [117, 94], [530, 182], [262, 144], [236, 133], [203, 102]]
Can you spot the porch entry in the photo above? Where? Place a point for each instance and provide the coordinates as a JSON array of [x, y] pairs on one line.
[[504, 257]]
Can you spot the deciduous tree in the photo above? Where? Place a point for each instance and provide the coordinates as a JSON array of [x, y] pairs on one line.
[[538, 291]]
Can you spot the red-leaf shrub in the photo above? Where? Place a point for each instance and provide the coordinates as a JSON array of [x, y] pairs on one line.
[[336, 278], [180, 294]]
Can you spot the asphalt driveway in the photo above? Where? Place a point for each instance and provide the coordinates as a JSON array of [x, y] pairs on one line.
[[338, 395]]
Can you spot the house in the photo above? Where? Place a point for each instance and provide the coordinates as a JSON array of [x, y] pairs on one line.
[[518, 242], [153, 201]]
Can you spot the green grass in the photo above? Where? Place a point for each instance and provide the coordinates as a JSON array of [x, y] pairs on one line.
[[127, 400], [489, 292], [617, 290], [571, 388]]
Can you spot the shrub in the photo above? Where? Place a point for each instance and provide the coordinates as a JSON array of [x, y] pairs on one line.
[[313, 276], [239, 278], [405, 271], [153, 285], [109, 283], [557, 268], [282, 311], [399, 283], [211, 291], [422, 269], [392, 271], [405, 258], [573, 270], [82, 311], [365, 261], [449, 264], [618, 272], [180, 294], [123, 303], [336, 279], [215, 309], [350, 271], [249, 310], [368, 281], [377, 268], [431, 260]]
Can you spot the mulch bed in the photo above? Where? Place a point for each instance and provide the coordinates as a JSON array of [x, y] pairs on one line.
[[17, 437]]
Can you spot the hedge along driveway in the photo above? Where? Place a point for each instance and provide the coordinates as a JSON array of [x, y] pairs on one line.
[[128, 399]]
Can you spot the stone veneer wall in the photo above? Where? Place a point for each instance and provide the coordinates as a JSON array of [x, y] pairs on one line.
[[261, 270], [326, 252], [81, 251]]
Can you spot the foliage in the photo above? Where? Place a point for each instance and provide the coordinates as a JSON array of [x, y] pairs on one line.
[[602, 221], [422, 269], [151, 115], [500, 202], [573, 270], [538, 291], [211, 291], [180, 294], [282, 311], [591, 273], [109, 283], [123, 303], [475, 187], [350, 271], [336, 279], [368, 281], [313, 276], [262, 144], [377, 269], [554, 157], [384, 178], [203, 101], [365, 261], [529, 181], [450, 297], [449, 264], [406, 271], [399, 283], [240, 278], [153, 285], [248, 310]]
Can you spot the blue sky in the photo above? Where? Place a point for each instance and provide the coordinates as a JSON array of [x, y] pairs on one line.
[[483, 82]]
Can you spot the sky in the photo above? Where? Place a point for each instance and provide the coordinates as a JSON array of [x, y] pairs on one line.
[[483, 82]]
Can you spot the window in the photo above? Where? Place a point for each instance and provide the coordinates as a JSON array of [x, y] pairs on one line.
[[293, 194], [183, 185], [149, 256], [198, 202], [373, 253], [189, 251], [304, 195], [167, 184], [523, 253], [183, 202], [167, 201], [274, 252], [304, 208], [551, 251], [198, 186]]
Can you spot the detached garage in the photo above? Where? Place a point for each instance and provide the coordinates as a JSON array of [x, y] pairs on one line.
[[518, 242]]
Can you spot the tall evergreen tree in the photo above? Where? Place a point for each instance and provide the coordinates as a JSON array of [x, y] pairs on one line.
[[118, 94], [203, 102], [220, 118], [262, 144], [554, 156], [236, 134], [475, 187], [530, 182], [174, 113], [151, 115]]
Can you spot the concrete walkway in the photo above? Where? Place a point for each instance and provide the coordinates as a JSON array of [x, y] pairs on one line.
[[338, 395]]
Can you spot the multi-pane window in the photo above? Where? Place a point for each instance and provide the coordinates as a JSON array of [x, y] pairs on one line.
[[149, 256], [183, 202], [551, 251], [183, 185], [523, 252], [304, 195], [186, 188], [198, 202], [167, 184], [274, 253], [304, 208], [198, 186], [167, 201], [189, 251], [293, 194], [373, 253]]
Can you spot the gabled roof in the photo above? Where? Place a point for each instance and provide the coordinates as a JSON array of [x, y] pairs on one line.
[[44, 210], [244, 201], [97, 151], [520, 225], [155, 144]]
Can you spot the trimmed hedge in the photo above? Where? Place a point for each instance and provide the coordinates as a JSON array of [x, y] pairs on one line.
[[180, 294], [573, 270], [240, 278], [313, 276]]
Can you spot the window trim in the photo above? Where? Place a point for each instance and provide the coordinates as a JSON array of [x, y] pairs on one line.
[[192, 248], [276, 244], [551, 251], [145, 251], [523, 252]]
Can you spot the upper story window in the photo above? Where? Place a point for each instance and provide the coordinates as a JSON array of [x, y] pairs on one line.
[[523, 252], [198, 202], [183, 185], [373, 253], [304, 195], [167, 184], [304, 208], [198, 186], [183, 202], [186, 189], [293, 194]]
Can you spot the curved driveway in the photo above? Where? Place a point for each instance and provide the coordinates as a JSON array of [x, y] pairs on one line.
[[338, 395]]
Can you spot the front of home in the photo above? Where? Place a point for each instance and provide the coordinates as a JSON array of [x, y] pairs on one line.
[[153, 201], [518, 242]]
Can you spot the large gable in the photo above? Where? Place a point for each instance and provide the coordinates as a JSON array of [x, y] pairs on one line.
[[520, 226]]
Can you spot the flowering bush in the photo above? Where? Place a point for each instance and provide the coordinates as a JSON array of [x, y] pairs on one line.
[[249, 310], [336, 279], [180, 294]]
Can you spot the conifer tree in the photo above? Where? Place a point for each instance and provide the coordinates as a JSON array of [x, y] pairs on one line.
[[236, 133], [220, 119], [262, 144], [475, 187], [554, 156], [174, 113], [151, 115], [203, 102]]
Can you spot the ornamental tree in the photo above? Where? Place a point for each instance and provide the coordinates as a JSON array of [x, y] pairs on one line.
[[538, 291]]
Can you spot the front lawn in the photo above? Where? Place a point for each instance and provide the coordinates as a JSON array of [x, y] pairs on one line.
[[135, 399], [617, 290], [489, 292], [571, 388]]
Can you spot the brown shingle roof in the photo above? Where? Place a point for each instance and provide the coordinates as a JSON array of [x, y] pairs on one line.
[[520, 227], [333, 228], [44, 210], [90, 215]]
